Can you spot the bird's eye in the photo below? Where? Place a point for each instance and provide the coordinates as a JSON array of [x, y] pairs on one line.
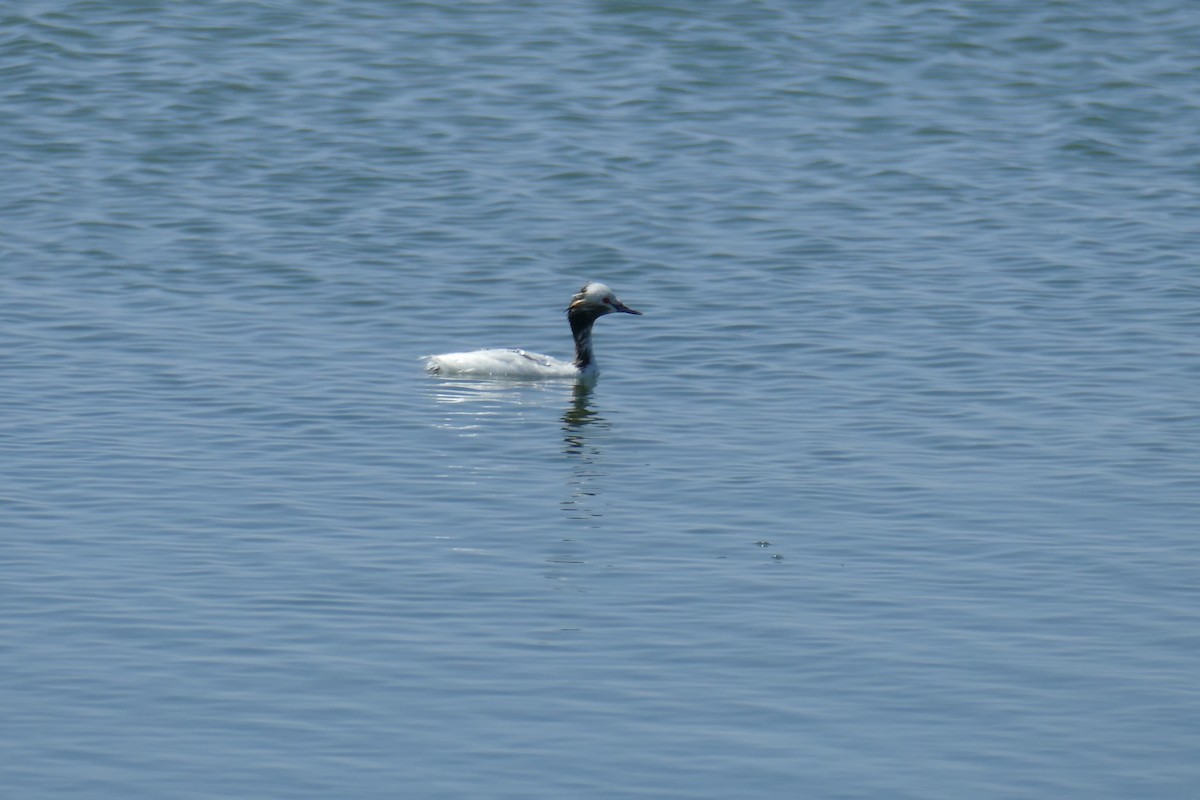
[[609, 300]]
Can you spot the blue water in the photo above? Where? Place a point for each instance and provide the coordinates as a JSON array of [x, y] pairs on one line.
[[892, 493]]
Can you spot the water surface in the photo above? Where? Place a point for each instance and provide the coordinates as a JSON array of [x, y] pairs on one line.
[[891, 492]]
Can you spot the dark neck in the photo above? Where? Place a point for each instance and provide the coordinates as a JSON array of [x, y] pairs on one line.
[[581, 329]]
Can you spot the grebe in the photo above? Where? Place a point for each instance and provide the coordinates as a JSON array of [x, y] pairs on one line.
[[593, 301]]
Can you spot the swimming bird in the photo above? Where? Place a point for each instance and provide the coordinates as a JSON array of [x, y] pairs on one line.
[[590, 303]]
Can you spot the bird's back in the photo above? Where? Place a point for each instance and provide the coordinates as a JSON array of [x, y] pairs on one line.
[[502, 363]]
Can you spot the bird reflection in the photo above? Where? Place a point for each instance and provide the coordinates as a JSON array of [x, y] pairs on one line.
[[473, 405], [580, 419], [575, 420]]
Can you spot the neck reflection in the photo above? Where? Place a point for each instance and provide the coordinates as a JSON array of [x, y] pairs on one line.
[[580, 419]]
